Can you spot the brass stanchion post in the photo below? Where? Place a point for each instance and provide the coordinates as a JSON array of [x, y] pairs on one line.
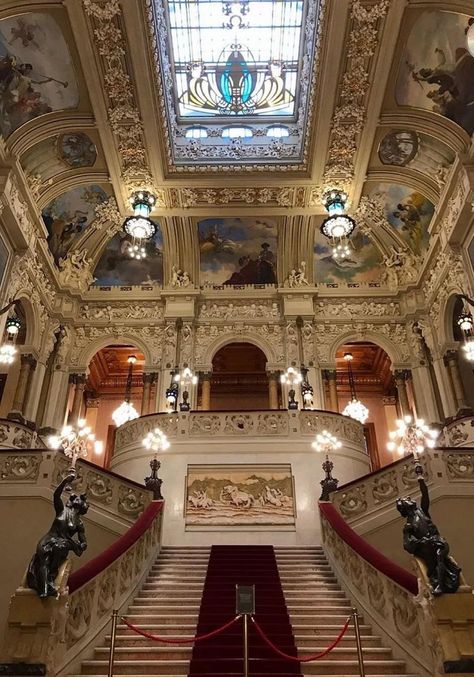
[[246, 645], [355, 617], [113, 634]]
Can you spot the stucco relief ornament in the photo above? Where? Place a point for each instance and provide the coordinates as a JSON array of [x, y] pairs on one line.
[[179, 278], [297, 277], [36, 184], [75, 271], [107, 215]]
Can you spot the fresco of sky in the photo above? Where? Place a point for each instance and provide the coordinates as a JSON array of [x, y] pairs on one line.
[[238, 251], [36, 70], [363, 264], [437, 71], [408, 211], [115, 266], [68, 215]]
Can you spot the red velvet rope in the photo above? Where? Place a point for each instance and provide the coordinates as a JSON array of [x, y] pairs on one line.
[[307, 659], [401, 576], [172, 640]]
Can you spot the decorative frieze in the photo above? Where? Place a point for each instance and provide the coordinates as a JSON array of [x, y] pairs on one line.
[[264, 310]]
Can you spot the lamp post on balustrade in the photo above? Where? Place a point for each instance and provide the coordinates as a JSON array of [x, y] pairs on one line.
[[76, 442], [325, 442], [156, 441]]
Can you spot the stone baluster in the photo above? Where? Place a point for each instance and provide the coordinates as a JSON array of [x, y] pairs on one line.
[[452, 363], [401, 376], [80, 382], [330, 376], [206, 391], [273, 380], [148, 380], [27, 366]]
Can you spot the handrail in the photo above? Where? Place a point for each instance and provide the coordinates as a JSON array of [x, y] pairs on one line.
[[403, 459], [95, 566], [396, 573]]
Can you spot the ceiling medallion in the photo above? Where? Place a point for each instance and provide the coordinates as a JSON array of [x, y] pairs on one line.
[[237, 80]]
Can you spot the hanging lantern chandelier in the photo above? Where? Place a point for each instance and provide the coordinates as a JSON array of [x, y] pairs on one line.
[[126, 411], [466, 323], [412, 436], [355, 409], [337, 227], [139, 226], [8, 349]]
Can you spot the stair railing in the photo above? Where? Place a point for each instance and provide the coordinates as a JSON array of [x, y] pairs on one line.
[[59, 632], [385, 593]]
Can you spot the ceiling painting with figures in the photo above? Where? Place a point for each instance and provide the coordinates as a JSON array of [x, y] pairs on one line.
[[37, 74], [238, 251]]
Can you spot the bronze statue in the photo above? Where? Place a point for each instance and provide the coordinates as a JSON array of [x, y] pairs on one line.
[[53, 549], [421, 538]]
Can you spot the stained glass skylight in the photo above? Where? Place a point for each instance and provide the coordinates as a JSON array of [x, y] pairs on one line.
[[252, 61], [235, 58]]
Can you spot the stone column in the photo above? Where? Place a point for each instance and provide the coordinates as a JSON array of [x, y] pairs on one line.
[[445, 388], [316, 380], [401, 376], [424, 393], [92, 412], [34, 391], [148, 380], [452, 363], [331, 375], [390, 411], [27, 365], [56, 401], [80, 382], [206, 391], [273, 380]]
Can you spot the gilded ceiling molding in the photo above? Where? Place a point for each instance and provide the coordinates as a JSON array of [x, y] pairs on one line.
[[348, 120], [123, 112], [270, 196]]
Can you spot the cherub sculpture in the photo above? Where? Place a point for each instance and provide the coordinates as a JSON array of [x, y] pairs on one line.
[[422, 539], [53, 549]]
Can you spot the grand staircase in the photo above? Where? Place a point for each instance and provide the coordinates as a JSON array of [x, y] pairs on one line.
[[170, 602]]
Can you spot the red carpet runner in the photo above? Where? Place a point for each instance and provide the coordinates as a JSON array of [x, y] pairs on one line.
[[222, 655]]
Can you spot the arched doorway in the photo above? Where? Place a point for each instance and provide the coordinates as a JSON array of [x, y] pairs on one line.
[[239, 379], [463, 385], [375, 388], [105, 390]]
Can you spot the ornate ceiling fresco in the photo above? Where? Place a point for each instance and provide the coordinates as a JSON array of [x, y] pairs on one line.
[[237, 116]]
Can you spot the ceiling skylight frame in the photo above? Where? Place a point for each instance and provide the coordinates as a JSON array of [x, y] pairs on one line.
[[289, 153]]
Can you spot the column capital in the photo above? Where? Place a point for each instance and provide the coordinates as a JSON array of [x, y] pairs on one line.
[[389, 401], [28, 359], [149, 377], [401, 375], [78, 379], [273, 375], [450, 356], [330, 374], [205, 375]]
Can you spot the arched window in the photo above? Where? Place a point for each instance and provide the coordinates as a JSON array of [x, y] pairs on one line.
[[278, 131], [236, 132], [196, 132]]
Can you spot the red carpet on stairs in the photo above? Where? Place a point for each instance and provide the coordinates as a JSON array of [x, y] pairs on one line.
[[222, 655]]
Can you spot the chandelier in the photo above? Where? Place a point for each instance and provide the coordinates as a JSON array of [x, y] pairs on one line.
[[412, 437], [156, 440], [8, 349], [126, 411], [326, 442], [337, 227], [291, 377], [355, 409], [139, 226], [465, 323], [76, 442], [185, 379]]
